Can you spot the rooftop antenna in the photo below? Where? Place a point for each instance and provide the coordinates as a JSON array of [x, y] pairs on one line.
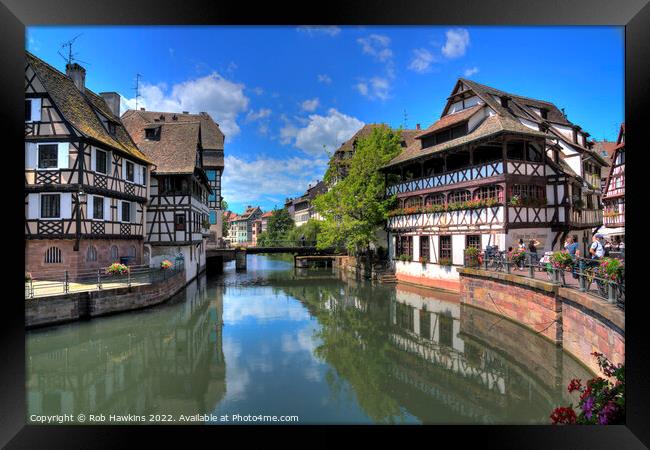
[[70, 57], [137, 89]]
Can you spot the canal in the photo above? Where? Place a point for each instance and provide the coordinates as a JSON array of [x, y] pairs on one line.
[[312, 343]]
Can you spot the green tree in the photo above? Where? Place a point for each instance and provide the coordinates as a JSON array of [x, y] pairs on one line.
[[279, 226], [309, 230], [355, 206], [224, 223]]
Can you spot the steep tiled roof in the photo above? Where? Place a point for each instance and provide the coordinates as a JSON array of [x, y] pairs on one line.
[[491, 126], [174, 151], [449, 120], [267, 214], [81, 109], [212, 138]]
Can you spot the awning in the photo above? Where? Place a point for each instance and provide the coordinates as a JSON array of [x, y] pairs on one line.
[[620, 231]]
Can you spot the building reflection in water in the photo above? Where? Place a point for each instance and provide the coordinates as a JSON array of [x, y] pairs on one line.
[[162, 360], [414, 352]]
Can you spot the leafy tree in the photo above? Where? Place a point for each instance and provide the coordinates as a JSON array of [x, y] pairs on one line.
[[309, 230], [355, 206], [279, 225], [224, 223]]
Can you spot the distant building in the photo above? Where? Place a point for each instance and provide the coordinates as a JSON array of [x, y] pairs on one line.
[[614, 192], [241, 226], [257, 230], [177, 215], [301, 209], [86, 182]]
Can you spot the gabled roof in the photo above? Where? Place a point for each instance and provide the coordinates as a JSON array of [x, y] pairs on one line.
[[491, 126], [212, 138], [176, 149], [248, 213], [267, 214], [81, 109], [449, 120]]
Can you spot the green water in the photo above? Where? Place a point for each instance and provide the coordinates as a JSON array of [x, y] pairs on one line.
[[310, 343]]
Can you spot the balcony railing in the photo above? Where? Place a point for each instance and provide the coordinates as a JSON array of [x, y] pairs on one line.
[[493, 215], [616, 220], [590, 217], [457, 176]]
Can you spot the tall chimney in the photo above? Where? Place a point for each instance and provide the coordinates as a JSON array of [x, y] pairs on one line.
[[77, 74], [417, 126], [112, 99]]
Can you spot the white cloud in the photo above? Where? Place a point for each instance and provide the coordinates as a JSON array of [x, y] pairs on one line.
[[422, 59], [319, 30], [262, 113], [374, 88], [310, 105], [456, 43], [258, 90], [254, 180], [321, 133], [223, 99], [376, 45], [324, 78], [469, 72]]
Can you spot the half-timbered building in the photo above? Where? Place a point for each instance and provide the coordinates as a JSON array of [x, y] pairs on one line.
[[177, 213], [614, 193], [86, 182], [495, 168]]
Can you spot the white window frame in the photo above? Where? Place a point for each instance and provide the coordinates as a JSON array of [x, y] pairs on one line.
[[40, 206], [108, 164], [38, 150], [91, 210], [125, 171]]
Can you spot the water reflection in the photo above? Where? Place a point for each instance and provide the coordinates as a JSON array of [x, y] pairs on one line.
[[309, 342]]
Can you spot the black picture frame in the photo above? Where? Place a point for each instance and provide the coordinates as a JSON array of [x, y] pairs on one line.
[[634, 15]]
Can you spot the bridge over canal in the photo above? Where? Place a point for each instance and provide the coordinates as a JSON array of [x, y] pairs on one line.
[[216, 256]]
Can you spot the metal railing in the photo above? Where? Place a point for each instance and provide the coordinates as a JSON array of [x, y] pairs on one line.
[[583, 274], [49, 283]]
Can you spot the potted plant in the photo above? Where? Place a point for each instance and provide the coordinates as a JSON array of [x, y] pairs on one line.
[[404, 257], [444, 261], [515, 200], [517, 256], [166, 264], [424, 260], [472, 256], [117, 269], [611, 268], [561, 260]]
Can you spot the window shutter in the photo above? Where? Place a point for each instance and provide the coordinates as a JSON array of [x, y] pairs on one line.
[[66, 205], [107, 208], [90, 210], [93, 159], [36, 110], [31, 155], [119, 211], [133, 211], [64, 149], [32, 206]]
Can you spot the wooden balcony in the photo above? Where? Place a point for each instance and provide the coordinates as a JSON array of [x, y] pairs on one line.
[[486, 218], [585, 217], [614, 221], [487, 170]]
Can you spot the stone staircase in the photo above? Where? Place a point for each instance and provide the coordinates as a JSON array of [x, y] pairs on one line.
[[387, 277]]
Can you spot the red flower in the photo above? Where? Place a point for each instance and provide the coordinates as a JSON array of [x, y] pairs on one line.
[[574, 385], [563, 415]]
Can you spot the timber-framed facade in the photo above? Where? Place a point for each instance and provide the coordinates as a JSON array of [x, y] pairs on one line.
[[86, 182], [495, 168], [177, 211], [614, 194]]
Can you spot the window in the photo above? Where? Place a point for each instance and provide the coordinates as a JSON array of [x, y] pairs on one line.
[[446, 330], [53, 255], [424, 247], [515, 150], [100, 161], [48, 156], [459, 196], [114, 253], [473, 240], [532, 153], [405, 246], [98, 207], [413, 202], [529, 191], [28, 110], [444, 249], [434, 199], [425, 324], [50, 206], [111, 127], [129, 171], [126, 211], [404, 316], [489, 192], [144, 175], [91, 253], [179, 222], [152, 133]]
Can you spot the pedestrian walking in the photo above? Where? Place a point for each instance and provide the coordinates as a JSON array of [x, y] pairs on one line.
[[532, 250]]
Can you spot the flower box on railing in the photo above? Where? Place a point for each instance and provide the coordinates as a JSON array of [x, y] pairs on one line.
[[445, 207], [117, 269]]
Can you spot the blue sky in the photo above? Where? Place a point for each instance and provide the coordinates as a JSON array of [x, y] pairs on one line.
[[285, 96]]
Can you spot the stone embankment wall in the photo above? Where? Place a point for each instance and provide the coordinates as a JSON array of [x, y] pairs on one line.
[[70, 307], [576, 321]]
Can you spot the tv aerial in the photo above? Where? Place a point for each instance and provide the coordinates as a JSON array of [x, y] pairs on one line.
[[71, 56]]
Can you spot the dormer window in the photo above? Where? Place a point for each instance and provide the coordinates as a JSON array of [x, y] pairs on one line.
[[445, 135], [111, 127], [544, 113], [504, 101], [152, 133]]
